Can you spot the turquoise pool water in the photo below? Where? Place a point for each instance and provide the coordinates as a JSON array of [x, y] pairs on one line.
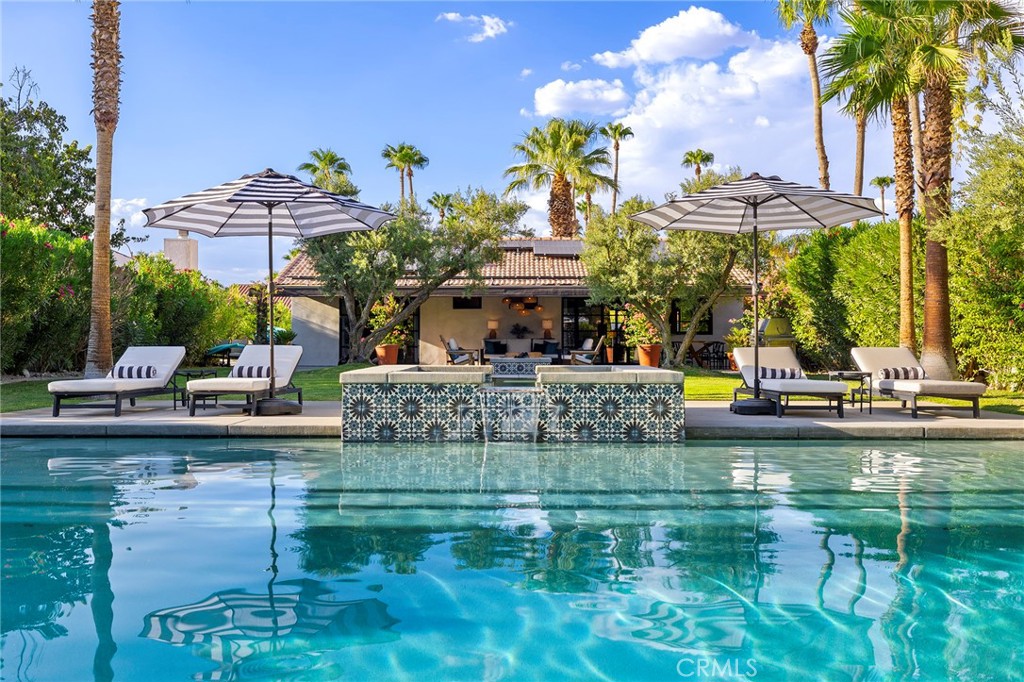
[[156, 560]]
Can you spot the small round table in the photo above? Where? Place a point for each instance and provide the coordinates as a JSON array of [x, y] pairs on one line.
[[858, 391]]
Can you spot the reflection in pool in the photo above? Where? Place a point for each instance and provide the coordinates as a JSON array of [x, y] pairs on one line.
[[308, 561]]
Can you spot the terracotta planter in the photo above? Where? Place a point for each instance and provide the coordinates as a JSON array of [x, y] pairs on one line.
[[387, 354], [649, 354], [609, 354]]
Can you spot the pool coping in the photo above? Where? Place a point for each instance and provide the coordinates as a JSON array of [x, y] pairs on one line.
[[705, 420]]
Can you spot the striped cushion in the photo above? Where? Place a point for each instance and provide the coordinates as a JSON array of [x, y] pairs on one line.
[[782, 373], [251, 371], [133, 372], [901, 373]]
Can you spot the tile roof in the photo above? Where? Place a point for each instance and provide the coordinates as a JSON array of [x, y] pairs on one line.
[[521, 267]]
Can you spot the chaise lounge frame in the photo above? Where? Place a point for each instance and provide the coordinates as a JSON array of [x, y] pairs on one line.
[[781, 357]]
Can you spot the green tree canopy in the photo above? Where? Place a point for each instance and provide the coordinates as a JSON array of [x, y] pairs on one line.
[[45, 179]]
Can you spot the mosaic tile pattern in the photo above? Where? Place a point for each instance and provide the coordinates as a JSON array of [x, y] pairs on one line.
[[564, 413]]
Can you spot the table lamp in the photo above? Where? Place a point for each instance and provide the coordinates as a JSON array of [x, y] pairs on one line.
[[492, 325], [547, 325]]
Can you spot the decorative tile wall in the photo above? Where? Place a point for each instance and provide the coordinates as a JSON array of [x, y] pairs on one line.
[[563, 413]]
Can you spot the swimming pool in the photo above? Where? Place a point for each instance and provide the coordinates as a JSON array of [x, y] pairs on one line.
[[308, 561]]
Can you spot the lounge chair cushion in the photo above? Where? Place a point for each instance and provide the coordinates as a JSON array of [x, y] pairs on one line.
[[933, 387], [459, 359], [229, 385], [585, 359], [901, 373], [132, 372], [781, 373], [100, 386], [804, 386]]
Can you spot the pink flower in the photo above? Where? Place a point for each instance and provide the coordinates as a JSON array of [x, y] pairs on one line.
[[3, 234], [48, 245], [85, 237]]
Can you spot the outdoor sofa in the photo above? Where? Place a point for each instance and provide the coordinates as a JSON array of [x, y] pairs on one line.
[[782, 377], [250, 377], [896, 373], [140, 371]]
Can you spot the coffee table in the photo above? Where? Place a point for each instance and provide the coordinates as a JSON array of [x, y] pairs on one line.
[[516, 368]]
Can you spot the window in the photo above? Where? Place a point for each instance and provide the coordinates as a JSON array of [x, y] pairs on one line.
[[467, 303], [680, 323]]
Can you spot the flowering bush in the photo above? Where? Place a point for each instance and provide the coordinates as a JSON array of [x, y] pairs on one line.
[[382, 313], [637, 329]]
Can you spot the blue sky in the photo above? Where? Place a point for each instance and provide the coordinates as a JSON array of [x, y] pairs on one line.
[[212, 91]]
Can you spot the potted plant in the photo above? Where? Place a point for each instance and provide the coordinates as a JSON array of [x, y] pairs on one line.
[[284, 337], [638, 331], [380, 315], [519, 331]]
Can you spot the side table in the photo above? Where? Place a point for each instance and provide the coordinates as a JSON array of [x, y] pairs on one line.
[[857, 392], [187, 374]]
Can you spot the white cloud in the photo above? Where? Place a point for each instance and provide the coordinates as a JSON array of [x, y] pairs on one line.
[[570, 66], [486, 25], [593, 96], [761, 122], [525, 73], [130, 210], [696, 32]]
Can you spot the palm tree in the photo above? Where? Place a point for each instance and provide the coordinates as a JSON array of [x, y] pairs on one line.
[[807, 13], [411, 157], [882, 182], [871, 62], [948, 36], [442, 203], [330, 171], [616, 132], [106, 89], [557, 156], [695, 158], [392, 156]]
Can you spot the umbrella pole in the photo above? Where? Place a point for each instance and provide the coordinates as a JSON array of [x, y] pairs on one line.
[[272, 405], [757, 404]]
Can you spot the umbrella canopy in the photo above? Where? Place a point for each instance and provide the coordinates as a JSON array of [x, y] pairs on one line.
[[755, 204], [267, 203]]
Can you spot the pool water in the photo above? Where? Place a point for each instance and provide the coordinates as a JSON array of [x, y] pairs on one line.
[[304, 561]]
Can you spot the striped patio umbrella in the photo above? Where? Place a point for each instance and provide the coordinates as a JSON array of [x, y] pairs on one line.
[[756, 204], [271, 204]]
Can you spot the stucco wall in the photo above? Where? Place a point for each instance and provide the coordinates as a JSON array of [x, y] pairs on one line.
[[315, 322], [469, 327]]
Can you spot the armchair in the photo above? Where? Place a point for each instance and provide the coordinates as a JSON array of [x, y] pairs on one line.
[[585, 355]]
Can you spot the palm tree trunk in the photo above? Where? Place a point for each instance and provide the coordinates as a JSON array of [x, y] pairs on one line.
[[915, 135], [937, 344], [615, 176], [904, 169], [561, 211], [809, 43], [412, 199], [861, 123], [106, 67], [401, 181]]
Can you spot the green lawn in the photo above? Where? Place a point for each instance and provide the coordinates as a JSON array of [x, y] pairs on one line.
[[322, 384]]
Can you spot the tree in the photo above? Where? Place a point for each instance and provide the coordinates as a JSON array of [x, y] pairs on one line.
[[410, 157], [949, 38], [330, 171], [362, 268], [696, 158], [106, 66], [391, 155], [873, 61], [557, 156], [43, 178], [616, 132], [442, 203], [808, 13], [882, 182]]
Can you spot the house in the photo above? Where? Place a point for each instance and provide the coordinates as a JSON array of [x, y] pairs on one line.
[[538, 283]]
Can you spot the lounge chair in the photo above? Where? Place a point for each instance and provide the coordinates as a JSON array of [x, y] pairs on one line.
[[896, 373], [776, 361], [588, 354], [457, 355], [140, 371], [251, 377]]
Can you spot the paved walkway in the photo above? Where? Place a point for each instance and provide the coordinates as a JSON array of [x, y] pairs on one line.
[[704, 420]]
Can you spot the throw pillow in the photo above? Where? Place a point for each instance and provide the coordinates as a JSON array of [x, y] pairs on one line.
[[901, 373], [538, 346], [133, 372], [491, 347], [588, 344], [251, 371], [550, 348], [782, 373], [452, 344]]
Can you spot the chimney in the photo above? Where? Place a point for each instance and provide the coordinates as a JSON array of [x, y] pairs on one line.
[[183, 251]]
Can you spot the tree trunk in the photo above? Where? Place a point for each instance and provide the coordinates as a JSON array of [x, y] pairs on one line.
[[809, 43], [106, 67], [561, 211], [915, 135], [937, 344], [615, 176], [691, 330], [401, 182], [904, 169], [412, 197], [861, 123]]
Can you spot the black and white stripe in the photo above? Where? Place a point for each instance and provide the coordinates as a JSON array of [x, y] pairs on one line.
[[251, 371], [901, 373], [781, 373], [781, 205], [239, 208], [133, 372]]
